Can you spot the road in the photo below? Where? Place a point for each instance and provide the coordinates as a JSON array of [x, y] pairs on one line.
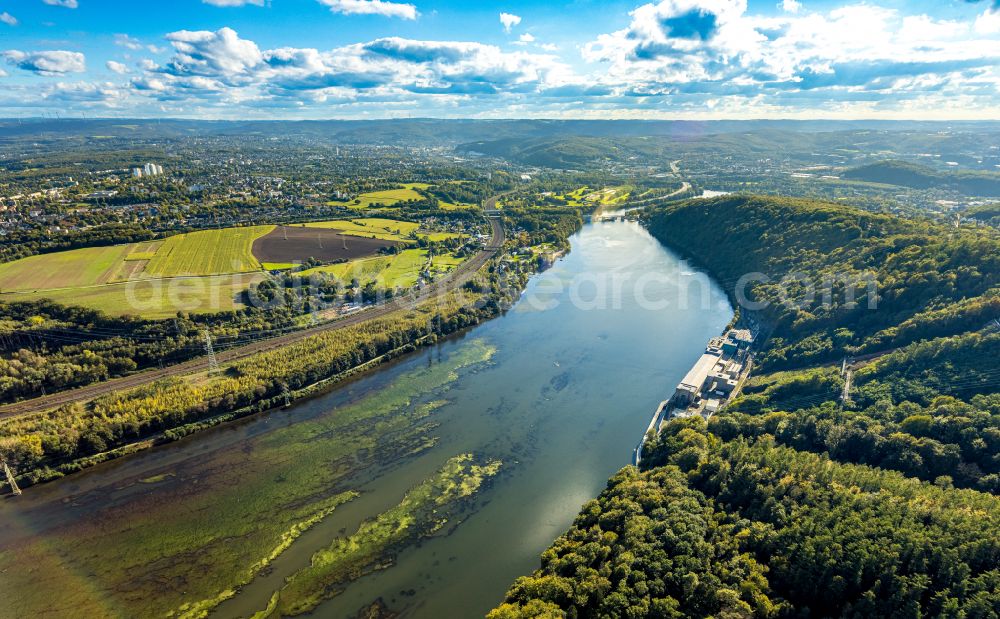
[[457, 278], [685, 187]]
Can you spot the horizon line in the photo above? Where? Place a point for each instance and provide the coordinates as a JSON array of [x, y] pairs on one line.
[[501, 119]]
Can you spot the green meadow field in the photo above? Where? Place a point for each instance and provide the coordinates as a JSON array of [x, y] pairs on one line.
[[154, 279], [80, 267], [389, 197], [76, 268], [154, 298], [199, 272], [402, 270], [371, 227], [609, 196], [208, 252]]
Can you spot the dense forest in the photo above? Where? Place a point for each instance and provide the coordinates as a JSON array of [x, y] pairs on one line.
[[986, 213], [742, 528], [912, 279], [973, 183], [831, 487]]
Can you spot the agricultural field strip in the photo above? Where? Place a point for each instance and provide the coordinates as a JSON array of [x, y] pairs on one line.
[[402, 270], [208, 252], [462, 274], [388, 229], [96, 267], [87, 266], [144, 280], [117, 298]]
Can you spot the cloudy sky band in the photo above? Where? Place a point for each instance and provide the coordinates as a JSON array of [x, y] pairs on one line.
[[667, 59]]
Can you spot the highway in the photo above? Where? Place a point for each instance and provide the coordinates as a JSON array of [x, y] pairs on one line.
[[685, 187], [457, 278]]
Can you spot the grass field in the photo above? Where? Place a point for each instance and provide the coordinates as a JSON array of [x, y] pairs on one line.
[[439, 236], [141, 278], [363, 270], [405, 269], [402, 270], [208, 252], [187, 272], [445, 262], [389, 197], [575, 198], [387, 229], [153, 298], [609, 195], [89, 266], [277, 266]]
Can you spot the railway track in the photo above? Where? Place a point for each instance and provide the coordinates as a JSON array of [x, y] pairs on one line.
[[457, 278]]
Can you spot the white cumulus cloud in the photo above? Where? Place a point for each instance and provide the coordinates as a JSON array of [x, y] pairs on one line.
[[988, 22], [509, 20], [8, 19], [701, 47], [791, 6], [69, 4], [673, 57], [207, 65], [55, 62], [116, 67], [127, 42], [212, 53], [372, 7]]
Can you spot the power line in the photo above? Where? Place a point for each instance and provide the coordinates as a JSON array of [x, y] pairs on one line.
[[213, 363], [10, 479]]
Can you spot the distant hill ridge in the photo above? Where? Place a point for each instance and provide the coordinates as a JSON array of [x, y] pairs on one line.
[[916, 176]]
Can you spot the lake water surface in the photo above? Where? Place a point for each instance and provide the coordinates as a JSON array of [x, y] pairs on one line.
[[577, 369]]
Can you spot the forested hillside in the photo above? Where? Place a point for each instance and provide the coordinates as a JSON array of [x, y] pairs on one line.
[[930, 280], [747, 528], [987, 214], [921, 177], [795, 501], [569, 152]]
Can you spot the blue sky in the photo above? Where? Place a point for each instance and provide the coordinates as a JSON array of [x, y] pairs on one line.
[[584, 59]]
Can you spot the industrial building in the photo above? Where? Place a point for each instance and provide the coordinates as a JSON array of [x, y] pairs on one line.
[[715, 375]]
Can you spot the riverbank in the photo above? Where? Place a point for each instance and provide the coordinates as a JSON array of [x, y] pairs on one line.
[[77, 435], [128, 537], [213, 400]]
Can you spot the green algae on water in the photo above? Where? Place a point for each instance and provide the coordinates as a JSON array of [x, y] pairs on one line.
[[203, 527], [425, 510]]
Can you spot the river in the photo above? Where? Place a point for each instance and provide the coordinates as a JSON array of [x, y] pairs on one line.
[[560, 390]]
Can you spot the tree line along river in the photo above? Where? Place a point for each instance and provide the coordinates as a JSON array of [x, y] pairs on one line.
[[427, 486]]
